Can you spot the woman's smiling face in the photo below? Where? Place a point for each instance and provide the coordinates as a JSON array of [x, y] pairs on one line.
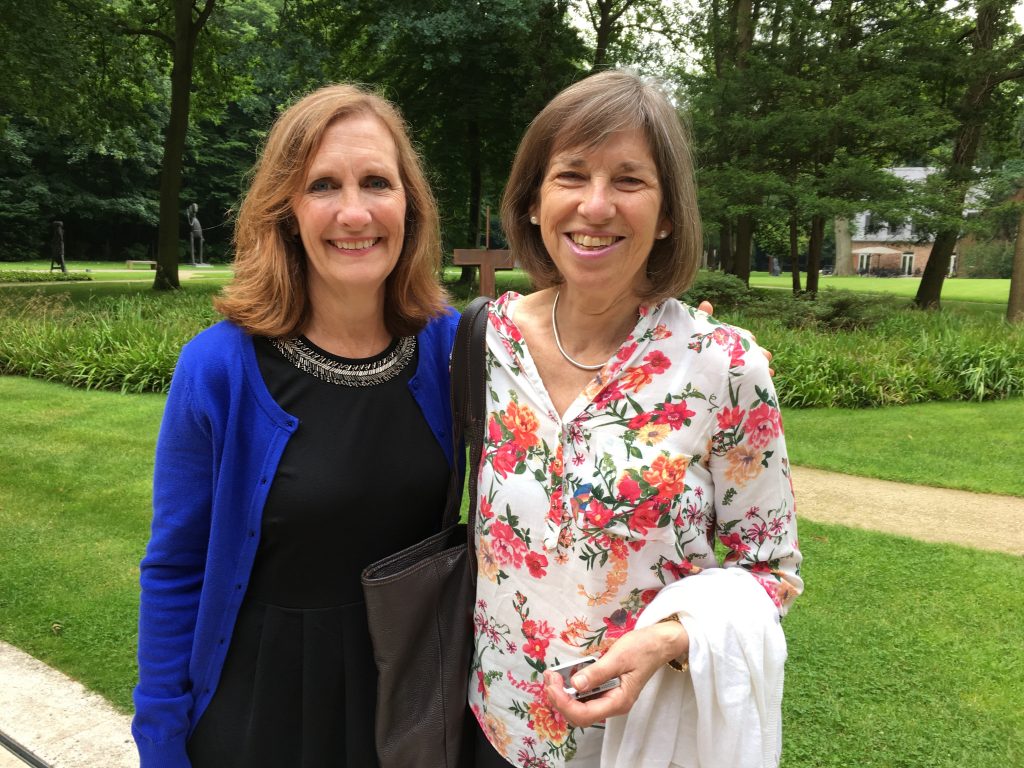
[[351, 210], [599, 211]]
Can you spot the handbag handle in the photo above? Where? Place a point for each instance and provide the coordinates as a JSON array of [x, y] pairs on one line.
[[469, 381]]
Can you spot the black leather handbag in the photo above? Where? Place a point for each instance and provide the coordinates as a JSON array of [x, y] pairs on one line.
[[420, 601]]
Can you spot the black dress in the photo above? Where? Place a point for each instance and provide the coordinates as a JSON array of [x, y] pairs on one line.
[[298, 688]]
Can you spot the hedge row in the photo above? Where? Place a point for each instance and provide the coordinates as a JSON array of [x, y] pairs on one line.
[[841, 350]]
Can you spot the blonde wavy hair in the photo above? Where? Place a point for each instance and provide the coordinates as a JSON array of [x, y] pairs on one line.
[[268, 295]]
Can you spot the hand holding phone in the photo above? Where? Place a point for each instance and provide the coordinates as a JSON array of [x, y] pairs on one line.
[[570, 668]]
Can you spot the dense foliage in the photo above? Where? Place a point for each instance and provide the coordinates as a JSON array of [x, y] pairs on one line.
[[843, 350], [796, 108]]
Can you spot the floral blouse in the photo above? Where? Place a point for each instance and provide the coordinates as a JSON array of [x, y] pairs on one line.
[[676, 443]]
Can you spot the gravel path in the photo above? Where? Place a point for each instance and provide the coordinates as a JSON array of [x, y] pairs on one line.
[[976, 520]]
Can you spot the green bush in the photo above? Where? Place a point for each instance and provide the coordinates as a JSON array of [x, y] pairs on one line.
[[24, 276], [841, 350], [127, 343], [725, 292]]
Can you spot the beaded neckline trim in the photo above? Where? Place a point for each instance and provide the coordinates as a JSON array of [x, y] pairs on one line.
[[308, 360]]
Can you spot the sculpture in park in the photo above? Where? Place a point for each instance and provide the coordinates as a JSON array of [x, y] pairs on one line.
[[195, 233], [57, 246]]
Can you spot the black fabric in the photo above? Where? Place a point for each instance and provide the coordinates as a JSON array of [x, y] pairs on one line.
[[299, 683], [486, 755]]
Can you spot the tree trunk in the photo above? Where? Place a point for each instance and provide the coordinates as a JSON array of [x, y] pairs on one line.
[[1015, 309], [971, 112], [816, 241], [930, 289], [168, 242], [844, 248], [794, 254], [744, 241]]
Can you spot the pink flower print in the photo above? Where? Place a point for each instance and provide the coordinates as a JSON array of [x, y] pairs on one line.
[[555, 506], [507, 547], [657, 362], [536, 562], [661, 332], [535, 647], [648, 595], [598, 515], [644, 517], [736, 353], [640, 421], [493, 430], [758, 532], [619, 623], [775, 526], [626, 351], [734, 542], [730, 417], [679, 570], [608, 395], [506, 458], [628, 488], [539, 629], [484, 507], [675, 415], [763, 425]]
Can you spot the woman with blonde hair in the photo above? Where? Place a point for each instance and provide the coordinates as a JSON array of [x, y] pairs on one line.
[[295, 434]]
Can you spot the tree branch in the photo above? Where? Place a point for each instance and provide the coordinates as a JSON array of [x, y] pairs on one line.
[[204, 14], [147, 32]]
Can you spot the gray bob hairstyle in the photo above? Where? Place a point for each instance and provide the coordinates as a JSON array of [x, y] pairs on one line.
[[581, 117]]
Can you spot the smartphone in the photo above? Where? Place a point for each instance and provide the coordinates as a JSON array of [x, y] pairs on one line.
[[570, 668]]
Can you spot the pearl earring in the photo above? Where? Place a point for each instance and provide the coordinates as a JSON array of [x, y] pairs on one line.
[[534, 220], [662, 234]]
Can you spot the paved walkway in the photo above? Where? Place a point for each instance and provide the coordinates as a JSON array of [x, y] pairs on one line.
[[66, 726]]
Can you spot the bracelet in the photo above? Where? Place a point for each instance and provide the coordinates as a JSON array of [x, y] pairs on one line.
[[675, 663]]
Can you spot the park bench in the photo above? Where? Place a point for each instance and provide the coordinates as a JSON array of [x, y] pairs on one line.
[[132, 263]]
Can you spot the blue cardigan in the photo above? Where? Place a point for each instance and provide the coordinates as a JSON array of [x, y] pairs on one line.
[[220, 441]]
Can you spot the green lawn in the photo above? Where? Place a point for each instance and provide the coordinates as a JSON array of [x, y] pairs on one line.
[[74, 518], [973, 446], [953, 289], [108, 271]]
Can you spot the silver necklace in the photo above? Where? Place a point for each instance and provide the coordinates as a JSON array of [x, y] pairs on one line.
[[558, 341], [308, 360]]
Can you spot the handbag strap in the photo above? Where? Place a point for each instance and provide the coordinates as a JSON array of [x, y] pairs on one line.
[[469, 381]]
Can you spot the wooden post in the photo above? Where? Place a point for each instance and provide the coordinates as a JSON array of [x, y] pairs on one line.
[[487, 260]]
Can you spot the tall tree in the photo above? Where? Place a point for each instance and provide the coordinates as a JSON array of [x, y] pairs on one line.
[[189, 18], [990, 52]]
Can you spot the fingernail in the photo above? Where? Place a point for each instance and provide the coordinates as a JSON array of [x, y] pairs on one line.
[[579, 682]]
